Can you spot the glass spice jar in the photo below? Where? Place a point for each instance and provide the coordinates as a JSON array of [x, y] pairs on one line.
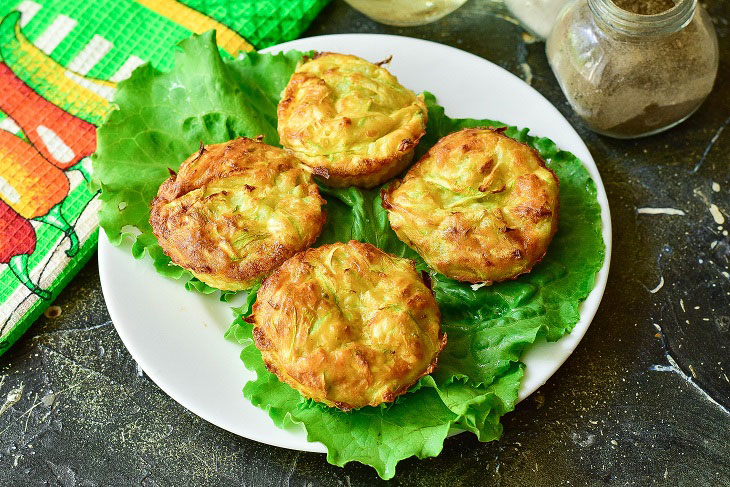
[[405, 13], [637, 70]]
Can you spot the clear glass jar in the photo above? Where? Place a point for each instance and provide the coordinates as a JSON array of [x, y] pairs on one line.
[[536, 16], [406, 13], [630, 75]]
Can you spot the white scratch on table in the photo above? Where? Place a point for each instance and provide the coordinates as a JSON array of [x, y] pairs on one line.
[[674, 368], [717, 214], [660, 211], [13, 397], [526, 73], [528, 38], [710, 145], [292, 469], [658, 286], [27, 418], [509, 19]]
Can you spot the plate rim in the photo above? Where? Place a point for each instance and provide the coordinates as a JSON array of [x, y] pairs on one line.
[[570, 341]]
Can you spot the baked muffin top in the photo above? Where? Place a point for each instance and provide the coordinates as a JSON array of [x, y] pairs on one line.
[[350, 120], [235, 211], [478, 207]]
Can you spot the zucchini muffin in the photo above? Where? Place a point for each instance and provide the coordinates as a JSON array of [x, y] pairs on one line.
[[350, 120], [347, 324], [235, 211], [478, 207]]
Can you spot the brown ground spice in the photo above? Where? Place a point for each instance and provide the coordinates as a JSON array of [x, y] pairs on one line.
[[644, 7], [638, 84]]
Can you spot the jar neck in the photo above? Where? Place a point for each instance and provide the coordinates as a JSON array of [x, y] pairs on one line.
[[611, 17]]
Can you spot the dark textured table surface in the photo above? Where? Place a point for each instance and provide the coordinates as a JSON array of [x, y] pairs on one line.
[[645, 399]]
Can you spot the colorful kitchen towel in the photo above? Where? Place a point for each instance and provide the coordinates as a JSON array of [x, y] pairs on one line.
[[60, 61]]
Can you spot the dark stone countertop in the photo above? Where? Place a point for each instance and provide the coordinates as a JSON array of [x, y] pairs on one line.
[[644, 399]]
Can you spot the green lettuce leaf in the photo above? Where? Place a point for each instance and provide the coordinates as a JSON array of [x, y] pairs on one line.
[[163, 117], [377, 436], [416, 424], [195, 284]]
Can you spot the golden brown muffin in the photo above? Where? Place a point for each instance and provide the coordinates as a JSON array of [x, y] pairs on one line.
[[478, 206], [347, 324], [235, 211], [350, 120]]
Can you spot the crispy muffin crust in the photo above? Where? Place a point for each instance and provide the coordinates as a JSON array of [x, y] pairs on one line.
[[478, 207], [350, 120], [347, 325], [235, 211]]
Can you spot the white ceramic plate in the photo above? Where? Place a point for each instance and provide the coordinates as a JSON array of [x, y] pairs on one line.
[[176, 336]]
